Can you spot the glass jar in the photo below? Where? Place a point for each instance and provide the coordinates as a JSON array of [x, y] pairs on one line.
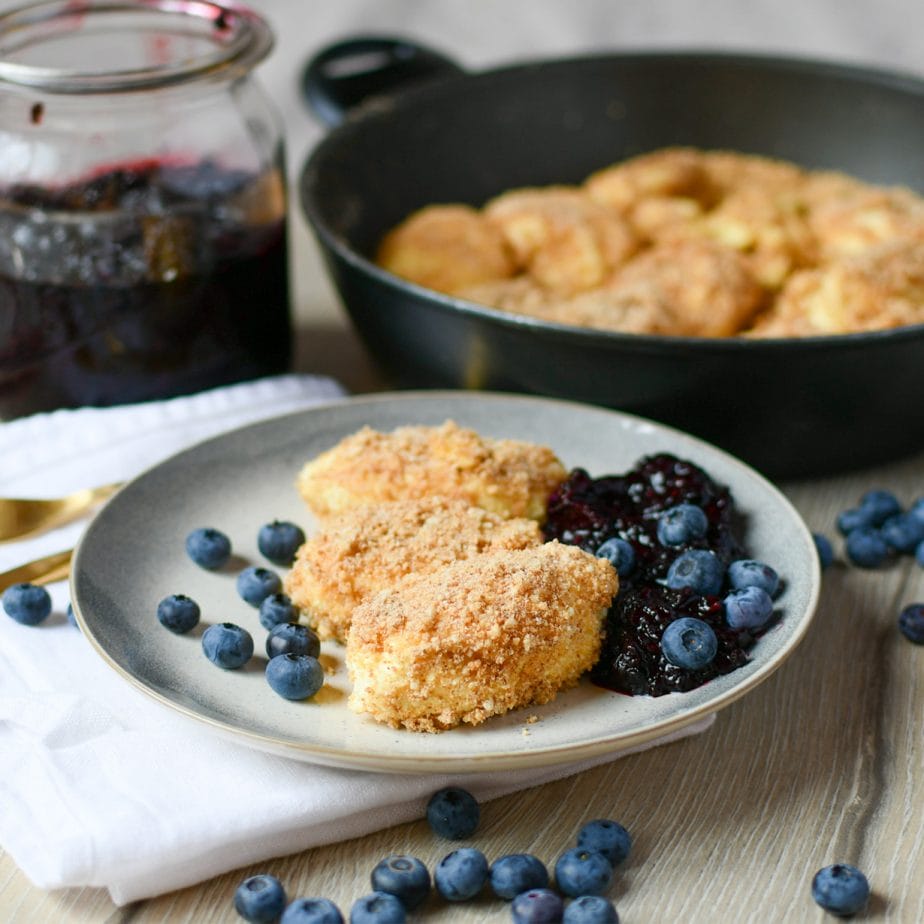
[[142, 203]]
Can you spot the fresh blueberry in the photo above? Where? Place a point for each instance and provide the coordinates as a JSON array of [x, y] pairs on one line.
[[453, 813], [748, 608], [911, 623], [516, 873], [619, 554], [681, 524], [279, 541], [292, 638], [866, 548], [461, 875], [880, 505], [404, 877], [903, 532], [178, 613], [698, 569], [537, 906], [209, 548], [277, 608], [608, 837], [747, 572], [256, 584], [28, 604], [854, 518], [71, 615], [825, 550], [590, 909], [689, 643], [377, 908], [917, 509], [311, 911], [840, 889], [227, 645], [919, 554], [295, 676], [260, 898], [580, 871]]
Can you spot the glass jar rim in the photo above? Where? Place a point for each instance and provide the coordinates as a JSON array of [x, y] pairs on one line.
[[246, 39]]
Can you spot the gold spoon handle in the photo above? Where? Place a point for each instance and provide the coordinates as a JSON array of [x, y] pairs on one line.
[[21, 517], [54, 567]]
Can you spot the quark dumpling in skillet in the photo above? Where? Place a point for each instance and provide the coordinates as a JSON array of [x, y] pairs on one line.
[[511, 478], [478, 637], [368, 549]]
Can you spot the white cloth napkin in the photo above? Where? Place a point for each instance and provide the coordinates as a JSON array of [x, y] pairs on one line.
[[101, 786]]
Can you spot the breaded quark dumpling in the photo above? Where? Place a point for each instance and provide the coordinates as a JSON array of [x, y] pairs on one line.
[[881, 289], [709, 289], [371, 548], [446, 247], [559, 236], [511, 478], [479, 637]]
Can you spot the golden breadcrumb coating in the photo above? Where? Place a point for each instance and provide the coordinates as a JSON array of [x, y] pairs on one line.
[[446, 247], [563, 239], [880, 289], [368, 549], [479, 637], [511, 478]]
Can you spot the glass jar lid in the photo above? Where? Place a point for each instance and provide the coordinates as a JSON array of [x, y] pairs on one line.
[[108, 46]]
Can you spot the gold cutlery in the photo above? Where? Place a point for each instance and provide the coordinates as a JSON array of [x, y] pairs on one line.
[[21, 516], [44, 570]]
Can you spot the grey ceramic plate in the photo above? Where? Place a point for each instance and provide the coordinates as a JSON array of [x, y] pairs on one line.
[[132, 555]]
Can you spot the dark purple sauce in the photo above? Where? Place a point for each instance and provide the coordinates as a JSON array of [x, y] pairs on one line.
[[586, 511], [143, 281]]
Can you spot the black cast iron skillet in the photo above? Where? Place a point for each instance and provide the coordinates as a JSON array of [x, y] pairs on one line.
[[792, 408]]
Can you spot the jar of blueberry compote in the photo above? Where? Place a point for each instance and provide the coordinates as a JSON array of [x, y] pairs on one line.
[[142, 203]]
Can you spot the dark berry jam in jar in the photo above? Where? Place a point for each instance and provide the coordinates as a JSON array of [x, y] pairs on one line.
[[142, 204]]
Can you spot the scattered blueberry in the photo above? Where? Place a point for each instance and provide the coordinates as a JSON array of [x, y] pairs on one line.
[[866, 548], [453, 813], [28, 604], [377, 908], [903, 532], [256, 584], [590, 909], [747, 572], [580, 871], [619, 554], [292, 638], [295, 676], [608, 837], [854, 518], [679, 525], [71, 616], [840, 889], [825, 550], [917, 509], [537, 906], [279, 541], [311, 911], [689, 643], [880, 505], [461, 875], [517, 872], [911, 623], [277, 608], [404, 877], [227, 645], [698, 569], [748, 608], [178, 613], [209, 548], [919, 554], [260, 899]]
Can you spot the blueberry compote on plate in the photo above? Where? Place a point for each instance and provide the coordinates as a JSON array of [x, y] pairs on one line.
[[586, 511], [142, 280]]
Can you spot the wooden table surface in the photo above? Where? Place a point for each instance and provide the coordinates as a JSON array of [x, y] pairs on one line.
[[820, 764]]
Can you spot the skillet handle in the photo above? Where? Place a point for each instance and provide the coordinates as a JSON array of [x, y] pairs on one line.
[[346, 73]]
